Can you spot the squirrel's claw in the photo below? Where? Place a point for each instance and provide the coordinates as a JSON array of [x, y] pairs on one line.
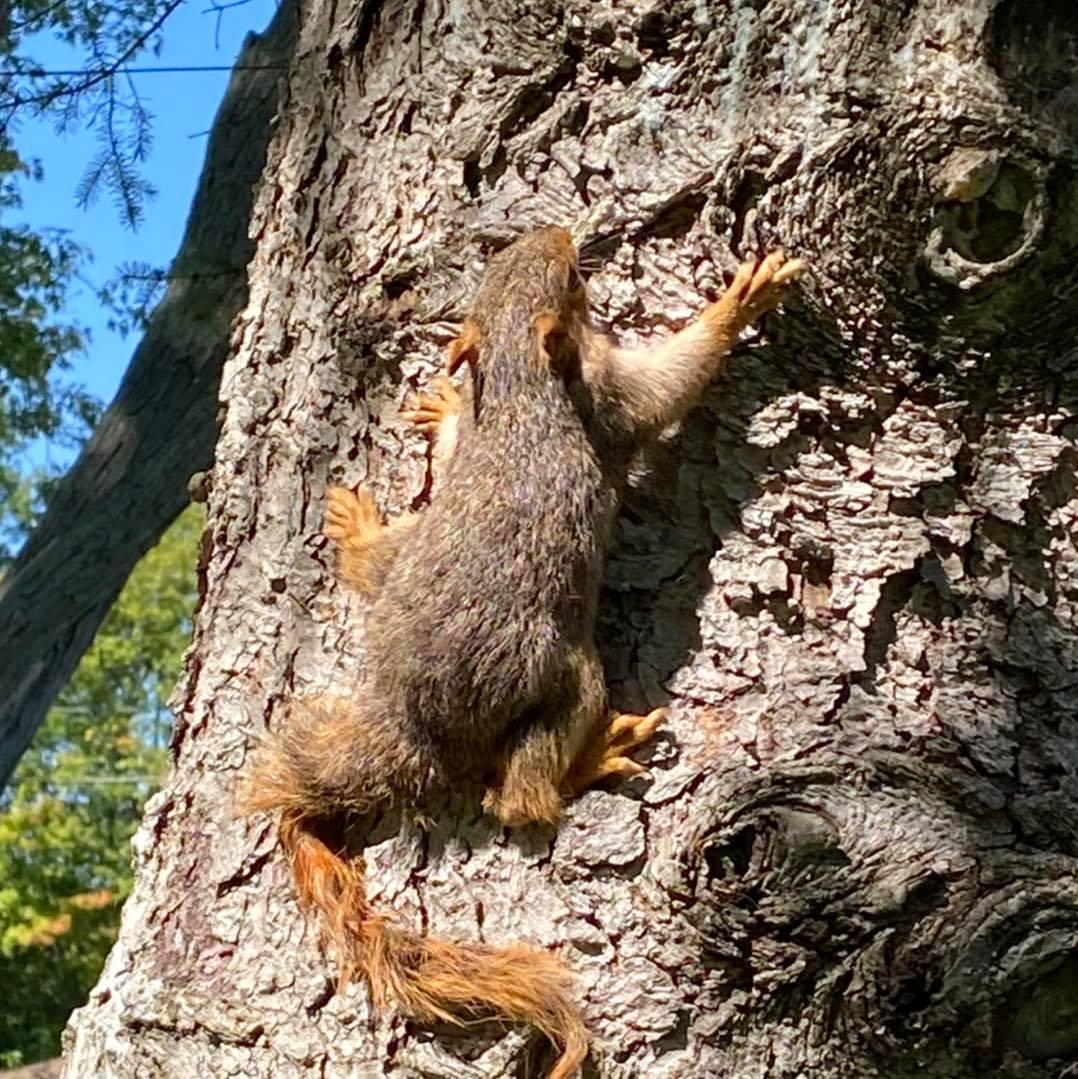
[[607, 754], [758, 286], [428, 411], [350, 515]]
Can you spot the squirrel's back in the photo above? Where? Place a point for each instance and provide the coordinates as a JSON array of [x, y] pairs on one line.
[[501, 582]]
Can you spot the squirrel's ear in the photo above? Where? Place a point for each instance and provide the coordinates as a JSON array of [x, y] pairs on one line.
[[465, 348], [552, 341]]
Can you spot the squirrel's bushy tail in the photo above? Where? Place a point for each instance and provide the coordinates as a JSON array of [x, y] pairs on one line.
[[320, 767]]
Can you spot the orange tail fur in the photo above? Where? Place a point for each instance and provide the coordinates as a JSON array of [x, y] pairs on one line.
[[427, 979]]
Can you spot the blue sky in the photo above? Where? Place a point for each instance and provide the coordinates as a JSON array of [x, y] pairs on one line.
[[183, 106]]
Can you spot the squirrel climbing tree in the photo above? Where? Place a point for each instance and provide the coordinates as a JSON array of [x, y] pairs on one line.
[[490, 678]]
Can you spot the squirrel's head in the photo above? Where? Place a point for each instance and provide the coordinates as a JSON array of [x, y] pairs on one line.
[[532, 300]]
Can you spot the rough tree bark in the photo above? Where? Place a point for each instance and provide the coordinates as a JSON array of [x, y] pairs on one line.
[[853, 571], [131, 479]]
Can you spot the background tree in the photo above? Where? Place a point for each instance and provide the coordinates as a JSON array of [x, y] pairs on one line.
[[37, 268], [66, 822], [77, 795], [131, 478], [852, 572], [36, 346]]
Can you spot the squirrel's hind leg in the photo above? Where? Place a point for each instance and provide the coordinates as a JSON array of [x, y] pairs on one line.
[[528, 790], [538, 757]]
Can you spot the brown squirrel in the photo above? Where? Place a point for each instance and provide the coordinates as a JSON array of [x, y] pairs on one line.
[[482, 616]]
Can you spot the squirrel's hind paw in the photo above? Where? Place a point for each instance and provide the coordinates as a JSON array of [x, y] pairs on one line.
[[607, 754]]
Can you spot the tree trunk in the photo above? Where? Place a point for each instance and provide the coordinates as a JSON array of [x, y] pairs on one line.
[[852, 572], [131, 480]]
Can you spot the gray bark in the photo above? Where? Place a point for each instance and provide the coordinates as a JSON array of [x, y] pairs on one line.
[[131, 479], [852, 571]]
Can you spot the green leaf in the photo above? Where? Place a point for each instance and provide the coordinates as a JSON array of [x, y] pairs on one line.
[[67, 820]]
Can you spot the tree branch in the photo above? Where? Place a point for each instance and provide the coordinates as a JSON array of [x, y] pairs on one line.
[[130, 481]]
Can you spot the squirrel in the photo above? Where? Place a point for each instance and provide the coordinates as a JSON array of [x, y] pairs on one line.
[[481, 662]]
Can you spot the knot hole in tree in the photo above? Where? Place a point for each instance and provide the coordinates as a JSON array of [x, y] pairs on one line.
[[990, 215]]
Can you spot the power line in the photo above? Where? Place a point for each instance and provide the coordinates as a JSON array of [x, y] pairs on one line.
[[39, 73]]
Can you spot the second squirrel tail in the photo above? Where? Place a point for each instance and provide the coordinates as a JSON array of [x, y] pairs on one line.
[[426, 979]]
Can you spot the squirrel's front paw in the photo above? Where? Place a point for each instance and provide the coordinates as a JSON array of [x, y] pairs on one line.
[[351, 516], [758, 286], [428, 411]]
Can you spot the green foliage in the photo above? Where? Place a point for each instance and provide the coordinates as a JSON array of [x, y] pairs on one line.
[[66, 821], [77, 795], [35, 270], [133, 294], [23, 498], [36, 344]]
